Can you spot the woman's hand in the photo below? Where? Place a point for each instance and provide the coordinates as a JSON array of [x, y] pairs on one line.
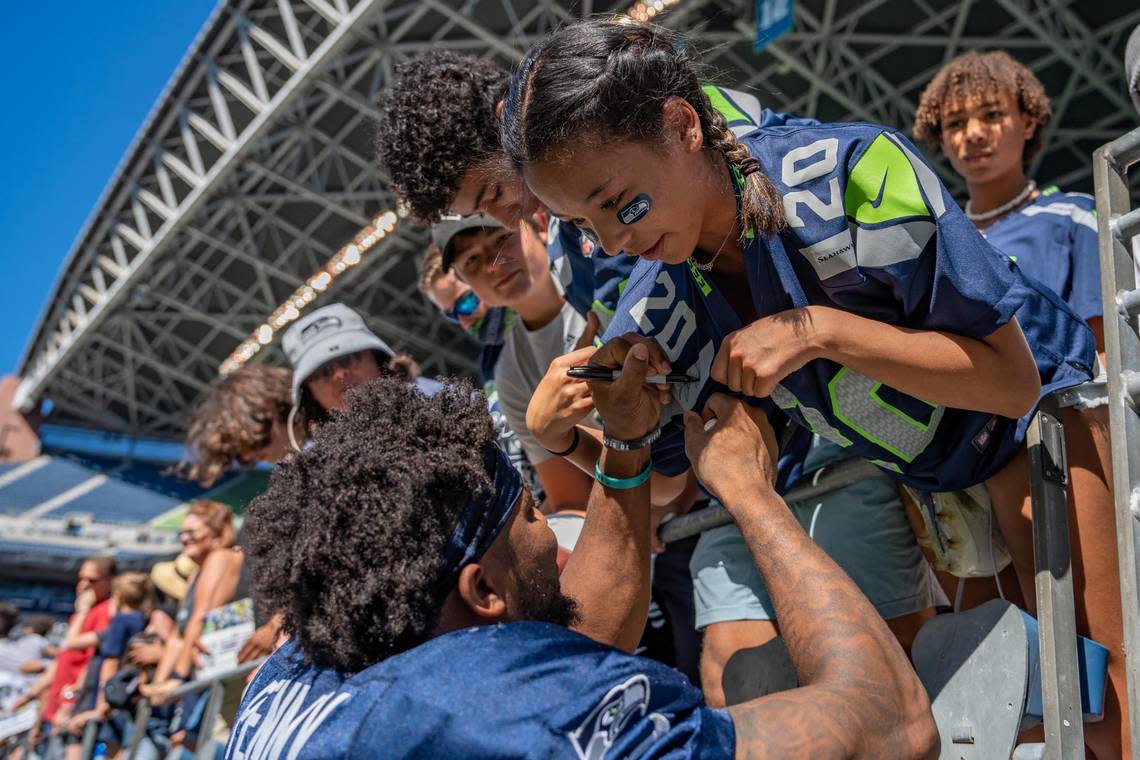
[[559, 402], [753, 359], [161, 693]]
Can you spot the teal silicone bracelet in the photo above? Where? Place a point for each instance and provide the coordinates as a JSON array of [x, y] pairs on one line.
[[623, 483]]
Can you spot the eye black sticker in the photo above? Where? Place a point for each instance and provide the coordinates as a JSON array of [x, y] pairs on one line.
[[635, 209]]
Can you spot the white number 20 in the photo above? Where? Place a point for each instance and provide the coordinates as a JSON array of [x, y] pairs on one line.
[[828, 152]]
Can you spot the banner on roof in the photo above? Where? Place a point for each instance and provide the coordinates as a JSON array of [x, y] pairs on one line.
[[773, 19]]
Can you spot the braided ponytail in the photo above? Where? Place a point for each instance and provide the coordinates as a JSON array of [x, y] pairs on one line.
[[761, 207]]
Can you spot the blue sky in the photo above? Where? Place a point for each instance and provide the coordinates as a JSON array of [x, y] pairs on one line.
[[80, 78]]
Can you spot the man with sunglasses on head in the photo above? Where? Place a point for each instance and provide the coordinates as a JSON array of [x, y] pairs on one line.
[[460, 306], [509, 267]]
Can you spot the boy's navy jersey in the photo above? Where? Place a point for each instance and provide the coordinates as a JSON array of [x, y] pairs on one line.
[[871, 231], [1054, 240], [592, 279], [515, 690]]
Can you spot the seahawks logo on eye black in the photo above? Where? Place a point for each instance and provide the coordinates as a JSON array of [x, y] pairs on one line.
[[635, 209]]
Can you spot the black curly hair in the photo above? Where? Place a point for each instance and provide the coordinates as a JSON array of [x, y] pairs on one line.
[[348, 541], [439, 121]]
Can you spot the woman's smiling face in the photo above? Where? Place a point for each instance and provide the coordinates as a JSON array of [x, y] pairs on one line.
[[591, 181]]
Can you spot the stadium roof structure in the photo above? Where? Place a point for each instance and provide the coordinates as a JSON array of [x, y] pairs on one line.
[[251, 191]]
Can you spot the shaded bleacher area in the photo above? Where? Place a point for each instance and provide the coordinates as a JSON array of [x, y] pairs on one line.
[[74, 501]]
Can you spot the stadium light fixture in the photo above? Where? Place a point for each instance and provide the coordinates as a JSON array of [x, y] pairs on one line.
[[646, 10], [292, 307]]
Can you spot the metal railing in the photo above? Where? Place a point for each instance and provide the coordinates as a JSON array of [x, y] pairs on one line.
[[1117, 225], [215, 685]]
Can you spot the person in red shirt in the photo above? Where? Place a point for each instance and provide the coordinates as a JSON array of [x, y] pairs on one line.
[[92, 614]]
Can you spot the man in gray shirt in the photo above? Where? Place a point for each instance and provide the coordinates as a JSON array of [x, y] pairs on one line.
[[510, 267]]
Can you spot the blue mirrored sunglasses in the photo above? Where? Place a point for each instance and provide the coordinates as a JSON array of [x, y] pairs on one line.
[[464, 306]]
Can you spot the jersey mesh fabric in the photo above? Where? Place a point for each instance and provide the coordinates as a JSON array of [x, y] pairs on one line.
[[1053, 239], [872, 231], [517, 690]]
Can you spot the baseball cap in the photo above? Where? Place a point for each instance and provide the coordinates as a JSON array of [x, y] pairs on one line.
[[444, 231], [328, 333]]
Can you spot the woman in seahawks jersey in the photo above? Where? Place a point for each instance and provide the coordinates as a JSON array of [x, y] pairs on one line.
[[987, 112], [826, 269]]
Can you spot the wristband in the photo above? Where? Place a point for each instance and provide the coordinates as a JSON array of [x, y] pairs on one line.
[[617, 444], [622, 483], [569, 450]]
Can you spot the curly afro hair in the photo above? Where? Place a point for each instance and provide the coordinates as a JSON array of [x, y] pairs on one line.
[[439, 121], [348, 541], [973, 74]]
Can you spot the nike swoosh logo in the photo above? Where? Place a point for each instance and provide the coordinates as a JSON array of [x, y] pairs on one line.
[[878, 200]]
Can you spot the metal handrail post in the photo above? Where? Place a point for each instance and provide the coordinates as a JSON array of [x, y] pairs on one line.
[[142, 715], [1056, 613], [89, 732], [1122, 355], [209, 715]]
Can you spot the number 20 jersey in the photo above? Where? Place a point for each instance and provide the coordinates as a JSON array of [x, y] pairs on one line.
[[871, 231]]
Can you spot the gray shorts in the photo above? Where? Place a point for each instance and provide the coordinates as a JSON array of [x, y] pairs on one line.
[[862, 527]]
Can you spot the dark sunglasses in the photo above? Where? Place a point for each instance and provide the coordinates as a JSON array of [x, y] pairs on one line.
[[465, 306]]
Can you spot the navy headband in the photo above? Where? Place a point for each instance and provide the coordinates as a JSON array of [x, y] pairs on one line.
[[484, 516]]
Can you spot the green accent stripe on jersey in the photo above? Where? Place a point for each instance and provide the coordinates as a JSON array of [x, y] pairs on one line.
[[699, 278], [727, 108], [882, 186]]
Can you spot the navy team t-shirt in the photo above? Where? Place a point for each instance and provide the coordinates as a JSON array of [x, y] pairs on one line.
[[515, 690], [1054, 240]]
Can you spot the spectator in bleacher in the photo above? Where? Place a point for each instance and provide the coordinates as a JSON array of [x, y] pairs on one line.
[[20, 644], [59, 685], [460, 305], [241, 422], [509, 267], [331, 351], [988, 113], [133, 598], [208, 538]]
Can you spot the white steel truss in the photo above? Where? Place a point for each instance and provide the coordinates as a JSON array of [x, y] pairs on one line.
[[256, 164]]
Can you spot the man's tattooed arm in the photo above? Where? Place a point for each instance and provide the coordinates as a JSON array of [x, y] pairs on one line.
[[859, 695]]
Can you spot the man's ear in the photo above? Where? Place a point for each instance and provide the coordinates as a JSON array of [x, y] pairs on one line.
[[499, 109], [682, 123], [1029, 127], [476, 589]]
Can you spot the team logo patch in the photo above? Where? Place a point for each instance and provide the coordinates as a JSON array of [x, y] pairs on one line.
[[622, 706], [636, 209], [982, 439]]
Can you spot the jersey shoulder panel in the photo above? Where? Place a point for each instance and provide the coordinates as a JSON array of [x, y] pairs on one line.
[[1078, 208]]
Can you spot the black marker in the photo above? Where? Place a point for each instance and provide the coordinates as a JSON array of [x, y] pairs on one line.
[[597, 372]]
